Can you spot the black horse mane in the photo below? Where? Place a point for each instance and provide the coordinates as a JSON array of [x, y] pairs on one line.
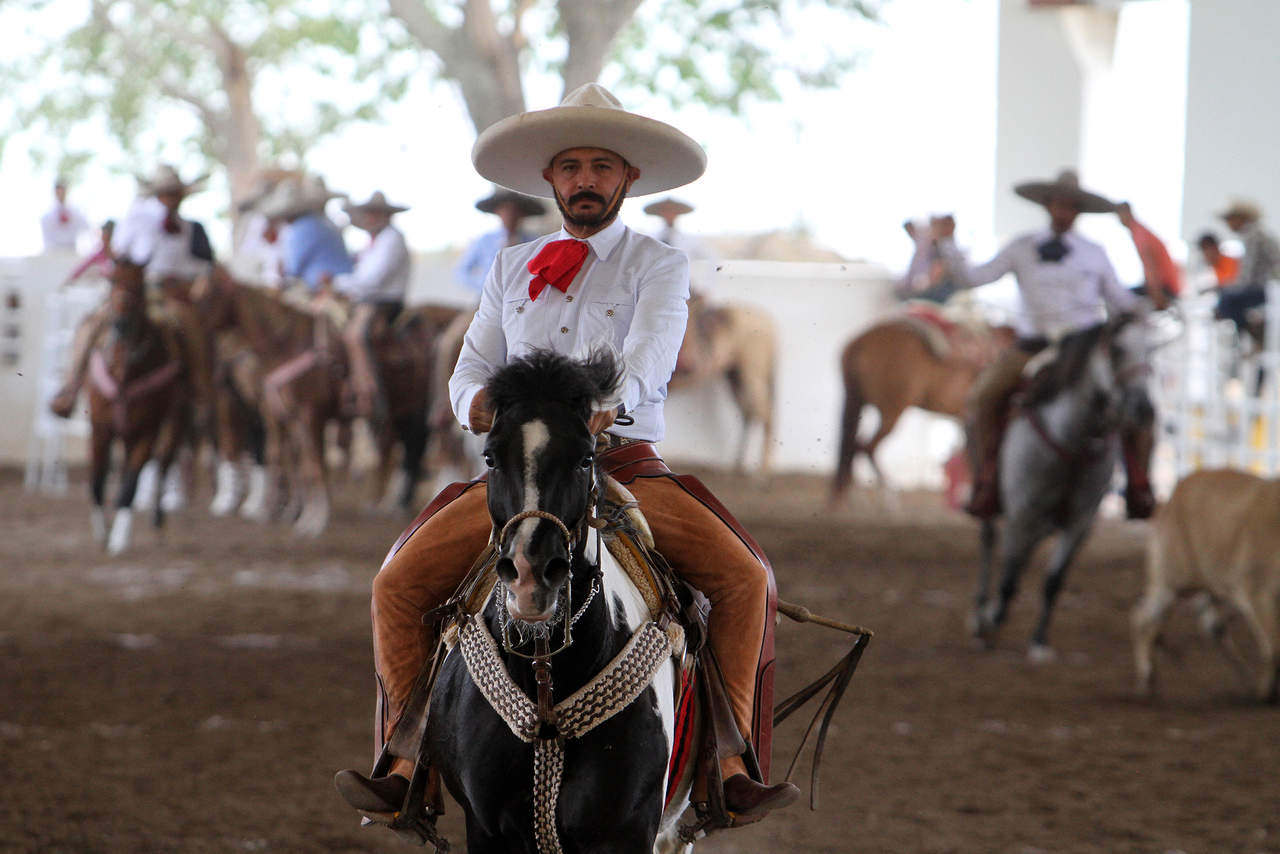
[[547, 376], [1066, 368]]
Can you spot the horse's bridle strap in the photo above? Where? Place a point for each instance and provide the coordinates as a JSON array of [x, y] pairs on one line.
[[535, 514]]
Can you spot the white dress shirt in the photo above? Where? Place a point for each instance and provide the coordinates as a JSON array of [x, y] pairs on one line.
[[631, 296], [257, 259], [381, 273], [58, 235], [144, 240], [1060, 297]]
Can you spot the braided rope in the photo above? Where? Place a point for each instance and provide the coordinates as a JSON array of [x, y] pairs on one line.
[[610, 691]]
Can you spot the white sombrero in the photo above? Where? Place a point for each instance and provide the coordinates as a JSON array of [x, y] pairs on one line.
[[1066, 185], [294, 197], [377, 204], [1243, 208], [513, 152], [668, 205], [165, 179]]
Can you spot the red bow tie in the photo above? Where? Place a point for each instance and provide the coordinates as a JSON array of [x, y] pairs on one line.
[[556, 265], [64, 217], [172, 225]]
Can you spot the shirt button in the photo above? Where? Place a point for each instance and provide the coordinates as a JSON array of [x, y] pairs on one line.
[[609, 313], [519, 309], [568, 299], [564, 330]]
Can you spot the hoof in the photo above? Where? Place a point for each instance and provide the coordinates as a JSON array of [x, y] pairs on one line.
[[1039, 653]]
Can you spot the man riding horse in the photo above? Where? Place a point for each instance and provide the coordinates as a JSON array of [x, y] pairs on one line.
[[1066, 283], [376, 289], [596, 283], [174, 250]]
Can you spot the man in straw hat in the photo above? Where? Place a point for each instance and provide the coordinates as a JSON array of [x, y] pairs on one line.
[[511, 208], [1259, 264], [376, 287], [1066, 283], [594, 283], [313, 248], [175, 251], [669, 210]]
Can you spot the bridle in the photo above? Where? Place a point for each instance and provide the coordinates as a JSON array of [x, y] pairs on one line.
[[572, 538]]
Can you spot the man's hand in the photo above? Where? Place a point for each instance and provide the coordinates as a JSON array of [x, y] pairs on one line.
[[480, 416], [602, 420]]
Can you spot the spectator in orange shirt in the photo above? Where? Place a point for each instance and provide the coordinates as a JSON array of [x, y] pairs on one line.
[[1162, 279], [1225, 267]]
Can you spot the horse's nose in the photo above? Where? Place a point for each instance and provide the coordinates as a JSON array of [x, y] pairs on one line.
[[527, 597]]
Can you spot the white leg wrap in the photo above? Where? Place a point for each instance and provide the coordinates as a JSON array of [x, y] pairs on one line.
[[229, 488], [121, 531], [174, 497], [148, 486], [255, 503]]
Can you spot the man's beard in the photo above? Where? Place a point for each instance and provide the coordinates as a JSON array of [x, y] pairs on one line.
[[606, 215]]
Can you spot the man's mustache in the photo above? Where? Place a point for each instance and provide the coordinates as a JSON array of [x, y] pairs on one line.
[[586, 196]]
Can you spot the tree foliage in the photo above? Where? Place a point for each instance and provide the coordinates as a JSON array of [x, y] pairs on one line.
[[232, 65], [245, 71]]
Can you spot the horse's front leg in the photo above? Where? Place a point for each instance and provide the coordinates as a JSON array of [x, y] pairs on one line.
[[1055, 574], [100, 460], [311, 467], [1018, 541], [987, 553], [137, 454], [414, 435]]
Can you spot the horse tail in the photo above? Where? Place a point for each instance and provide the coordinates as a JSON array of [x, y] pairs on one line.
[[849, 420]]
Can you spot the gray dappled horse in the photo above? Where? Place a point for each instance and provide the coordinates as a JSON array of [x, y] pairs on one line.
[[1057, 461]]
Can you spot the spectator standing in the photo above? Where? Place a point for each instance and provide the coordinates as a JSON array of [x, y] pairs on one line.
[[62, 224], [1259, 265]]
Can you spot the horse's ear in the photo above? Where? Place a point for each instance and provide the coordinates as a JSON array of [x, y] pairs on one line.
[[604, 373]]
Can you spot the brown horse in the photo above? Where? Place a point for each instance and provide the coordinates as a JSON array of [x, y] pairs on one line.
[[739, 343], [302, 359], [906, 361], [406, 355], [137, 394]]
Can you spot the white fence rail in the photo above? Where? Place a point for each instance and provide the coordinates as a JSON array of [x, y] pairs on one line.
[[1219, 398]]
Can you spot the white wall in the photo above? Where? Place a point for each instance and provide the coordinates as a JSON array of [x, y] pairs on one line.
[[1233, 115], [817, 308]]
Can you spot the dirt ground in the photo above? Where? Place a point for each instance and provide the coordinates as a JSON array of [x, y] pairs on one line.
[[197, 694]]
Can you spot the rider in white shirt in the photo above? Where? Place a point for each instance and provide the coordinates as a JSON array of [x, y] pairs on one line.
[[376, 286], [596, 283], [1066, 283]]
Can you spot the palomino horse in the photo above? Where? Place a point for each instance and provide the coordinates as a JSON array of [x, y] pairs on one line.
[[901, 362], [739, 343], [137, 394], [599, 786], [302, 361], [1057, 460]]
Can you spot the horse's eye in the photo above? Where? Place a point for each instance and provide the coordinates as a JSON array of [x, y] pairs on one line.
[[488, 459], [588, 461]]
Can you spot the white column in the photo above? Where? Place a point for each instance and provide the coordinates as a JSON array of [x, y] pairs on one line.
[[1233, 114]]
